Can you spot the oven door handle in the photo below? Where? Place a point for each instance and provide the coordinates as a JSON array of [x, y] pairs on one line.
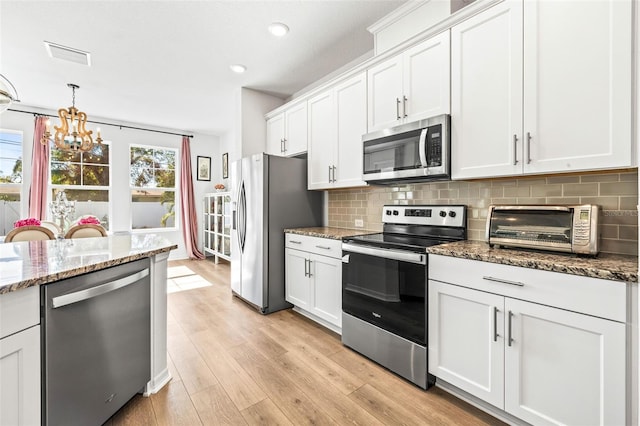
[[402, 256]]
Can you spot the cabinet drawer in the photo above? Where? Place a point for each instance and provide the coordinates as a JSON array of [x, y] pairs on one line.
[[592, 296], [19, 310], [321, 246]]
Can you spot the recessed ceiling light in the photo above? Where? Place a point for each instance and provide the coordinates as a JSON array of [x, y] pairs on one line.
[[278, 29], [238, 68]]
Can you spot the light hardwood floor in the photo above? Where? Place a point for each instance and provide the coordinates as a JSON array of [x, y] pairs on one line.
[[231, 365]]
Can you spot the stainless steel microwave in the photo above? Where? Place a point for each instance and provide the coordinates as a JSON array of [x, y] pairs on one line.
[[570, 229], [416, 152]]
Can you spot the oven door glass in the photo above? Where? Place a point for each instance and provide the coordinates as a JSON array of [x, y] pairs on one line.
[[387, 293]]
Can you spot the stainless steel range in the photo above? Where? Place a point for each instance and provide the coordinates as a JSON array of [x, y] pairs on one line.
[[384, 286]]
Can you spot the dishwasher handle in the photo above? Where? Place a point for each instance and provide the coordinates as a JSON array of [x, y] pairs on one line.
[[90, 293]]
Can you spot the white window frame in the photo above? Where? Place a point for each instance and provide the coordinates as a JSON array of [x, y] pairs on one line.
[[175, 189], [52, 186]]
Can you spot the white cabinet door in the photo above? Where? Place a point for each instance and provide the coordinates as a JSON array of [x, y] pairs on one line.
[[384, 83], [466, 340], [577, 85], [562, 367], [295, 130], [322, 141], [275, 135], [20, 373], [351, 110], [297, 283], [327, 288], [486, 93], [427, 79]]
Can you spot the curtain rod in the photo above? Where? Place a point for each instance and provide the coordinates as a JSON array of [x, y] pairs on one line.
[[121, 126]]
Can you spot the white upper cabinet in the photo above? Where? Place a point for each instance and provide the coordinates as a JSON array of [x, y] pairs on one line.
[[287, 131], [540, 86], [486, 93], [337, 121], [411, 86], [577, 85]]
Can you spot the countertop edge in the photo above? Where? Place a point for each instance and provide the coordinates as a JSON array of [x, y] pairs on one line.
[[607, 267], [42, 280], [329, 232]]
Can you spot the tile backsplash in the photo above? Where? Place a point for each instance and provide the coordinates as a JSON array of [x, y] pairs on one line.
[[615, 191]]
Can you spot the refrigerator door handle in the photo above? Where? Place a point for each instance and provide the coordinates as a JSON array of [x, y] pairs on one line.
[[234, 213], [243, 216]]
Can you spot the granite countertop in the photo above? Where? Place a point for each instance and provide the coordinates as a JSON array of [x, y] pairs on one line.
[[30, 263], [605, 266], [328, 232]]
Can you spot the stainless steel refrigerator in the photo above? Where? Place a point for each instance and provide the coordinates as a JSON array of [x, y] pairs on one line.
[[269, 194]]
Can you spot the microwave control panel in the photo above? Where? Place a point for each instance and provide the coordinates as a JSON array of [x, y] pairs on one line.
[[434, 146]]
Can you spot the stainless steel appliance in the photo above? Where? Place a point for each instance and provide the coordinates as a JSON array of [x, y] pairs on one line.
[[417, 152], [96, 343], [569, 229], [269, 194], [384, 286]]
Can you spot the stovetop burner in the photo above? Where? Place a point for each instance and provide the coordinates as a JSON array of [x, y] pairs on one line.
[[414, 228], [406, 242]]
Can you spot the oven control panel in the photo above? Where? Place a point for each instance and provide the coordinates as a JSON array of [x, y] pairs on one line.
[[435, 215]]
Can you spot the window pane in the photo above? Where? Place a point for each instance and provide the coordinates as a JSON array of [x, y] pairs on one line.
[[10, 157], [153, 209], [165, 159], [142, 178], [166, 178], [95, 175], [9, 207], [65, 173], [64, 156], [88, 202], [142, 154], [98, 155]]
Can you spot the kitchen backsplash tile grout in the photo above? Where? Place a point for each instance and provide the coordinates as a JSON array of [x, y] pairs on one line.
[[615, 191]]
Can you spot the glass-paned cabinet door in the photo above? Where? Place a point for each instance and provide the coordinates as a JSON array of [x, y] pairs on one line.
[[217, 225]]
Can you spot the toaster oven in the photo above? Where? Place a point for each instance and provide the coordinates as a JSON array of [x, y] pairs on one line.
[[569, 229]]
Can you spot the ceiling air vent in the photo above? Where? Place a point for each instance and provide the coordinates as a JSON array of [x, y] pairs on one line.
[[68, 53]]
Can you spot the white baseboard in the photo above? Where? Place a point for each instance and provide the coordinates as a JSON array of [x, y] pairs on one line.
[[319, 320], [478, 403], [157, 383]]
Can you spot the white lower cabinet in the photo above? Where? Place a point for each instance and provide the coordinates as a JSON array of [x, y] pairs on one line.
[[541, 364], [20, 358], [313, 280]]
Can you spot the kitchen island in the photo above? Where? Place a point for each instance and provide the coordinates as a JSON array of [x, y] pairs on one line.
[[27, 266]]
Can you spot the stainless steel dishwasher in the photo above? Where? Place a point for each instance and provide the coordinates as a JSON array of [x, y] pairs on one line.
[[96, 343]]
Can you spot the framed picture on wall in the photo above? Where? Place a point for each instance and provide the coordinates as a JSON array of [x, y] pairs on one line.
[[225, 165], [204, 168]]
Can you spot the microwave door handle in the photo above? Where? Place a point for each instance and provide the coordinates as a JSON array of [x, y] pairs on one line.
[[422, 147]]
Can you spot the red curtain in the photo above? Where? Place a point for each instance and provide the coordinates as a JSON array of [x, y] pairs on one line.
[[39, 172], [187, 204]]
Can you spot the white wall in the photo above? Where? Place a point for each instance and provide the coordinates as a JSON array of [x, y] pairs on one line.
[[121, 139], [253, 127]]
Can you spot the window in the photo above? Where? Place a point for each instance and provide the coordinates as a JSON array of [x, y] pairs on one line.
[[84, 176], [152, 177], [10, 178]]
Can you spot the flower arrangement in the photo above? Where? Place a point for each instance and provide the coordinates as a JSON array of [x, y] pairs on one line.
[[219, 187], [89, 220], [27, 222]]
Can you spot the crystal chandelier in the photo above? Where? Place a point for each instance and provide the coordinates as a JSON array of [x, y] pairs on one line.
[[71, 135]]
